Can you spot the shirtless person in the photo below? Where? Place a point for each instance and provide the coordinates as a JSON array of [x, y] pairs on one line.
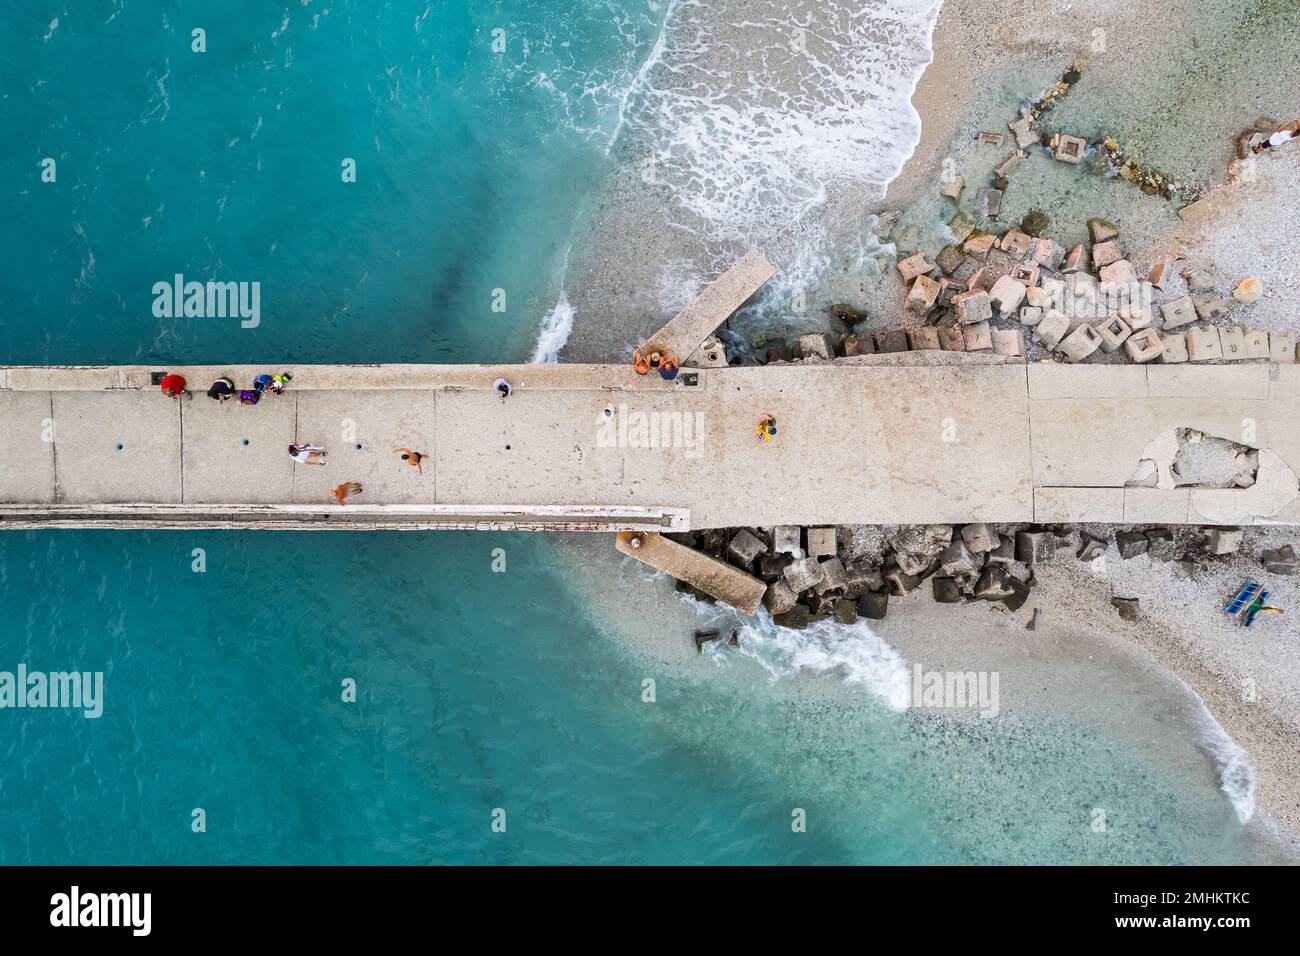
[[413, 458], [349, 489]]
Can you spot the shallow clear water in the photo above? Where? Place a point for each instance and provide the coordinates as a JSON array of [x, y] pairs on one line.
[[477, 690]]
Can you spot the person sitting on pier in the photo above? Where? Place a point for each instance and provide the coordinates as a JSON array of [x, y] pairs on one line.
[[413, 458], [503, 388], [668, 368], [222, 389], [278, 382], [765, 430], [262, 383], [173, 386], [307, 454], [250, 396]]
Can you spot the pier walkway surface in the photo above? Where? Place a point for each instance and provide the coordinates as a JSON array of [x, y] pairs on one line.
[[597, 447]]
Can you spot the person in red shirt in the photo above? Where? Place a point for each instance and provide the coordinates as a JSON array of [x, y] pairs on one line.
[[173, 386]]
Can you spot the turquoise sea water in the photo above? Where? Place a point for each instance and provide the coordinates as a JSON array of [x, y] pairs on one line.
[[476, 690]]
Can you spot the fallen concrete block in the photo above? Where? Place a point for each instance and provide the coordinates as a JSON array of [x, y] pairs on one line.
[[913, 266], [1232, 342], [922, 296], [924, 337], [1102, 230], [1035, 547], [957, 560], [1080, 343], [1203, 344], [990, 200], [873, 605], [1008, 165], [1006, 295], [1005, 552], [951, 339], [803, 574], [1179, 312], [946, 590], [1143, 346], [1045, 253], [1173, 348], [979, 537], [989, 139], [833, 577], [1070, 149], [1220, 541], [1092, 549], [1130, 544], [978, 246], [1015, 243], [785, 540], [1281, 560], [1051, 329], [1160, 544], [1024, 130], [894, 340], [1114, 332], [1076, 259], [973, 307], [817, 345], [948, 259], [977, 337], [1249, 290], [1256, 344], [1161, 273], [1136, 316], [745, 547], [1118, 274], [822, 543], [1209, 307], [993, 583], [1026, 274], [797, 617], [862, 577], [1282, 347], [1030, 315], [859, 345], [780, 597], [952, 187], [1007, 342], [1104, 253]]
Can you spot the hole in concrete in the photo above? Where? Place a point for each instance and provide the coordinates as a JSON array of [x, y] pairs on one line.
[[1188, 458], [507, 447], [120, 446], [245, 441], [358, 446]]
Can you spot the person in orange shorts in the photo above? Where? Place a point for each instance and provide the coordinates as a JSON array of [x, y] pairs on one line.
[[349, 489]]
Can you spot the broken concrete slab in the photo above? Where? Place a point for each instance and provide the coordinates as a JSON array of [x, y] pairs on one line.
[[1080, 343], [1006, 295], [822, 543], [977, 337]]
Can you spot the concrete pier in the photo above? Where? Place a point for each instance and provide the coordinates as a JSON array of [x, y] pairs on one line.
[[597, 447]]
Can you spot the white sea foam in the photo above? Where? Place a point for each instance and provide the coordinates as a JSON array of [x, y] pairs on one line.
[[1231, 762], [852, 652], [557, 326]]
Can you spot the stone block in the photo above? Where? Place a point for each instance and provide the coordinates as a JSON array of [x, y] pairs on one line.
[[1209, 307], [989, 200], [1015, 243], [1025, 274], [951, 339], [822, 543], [1025, 131], [1007, 342], [1114, 332], [952, 187], [1127, 607], [817, 345], [1080, 343], [1281, 560], [946, 590], [993, 583], [1045, 253], [1051, 329], [973, 307], [846, 611], [1005, 552], [1136, 316], [948, 259], [1161, 273], [803, 574], [979, 537], [1118, 273], [1035, 547], [1076, 259], [1160, 544], [1178, 313], [1104, 253], [978, 246], [833, 577], [863, 577], [1102, 230], [1143, 346], [1092, 548], [1203, 344], [922, 296], [1173, 348], [1131, 544], [1282, 347], [1221, 541], [961, 228], [957, 560], [913, 266], [785, 540], [1007, 294], [745, 547], [780, 597], [1070, 149], [797, 617], [989, 139], [1256, 344], [859, 345], [873, 605], [1232, 342], [924, 337], [894, 340], [977, 337], [1030, 315]]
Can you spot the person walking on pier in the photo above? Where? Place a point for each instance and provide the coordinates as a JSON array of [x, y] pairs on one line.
[[307, 454], [222, 390], [173, 386], [413, 458], [503, 388], [1279, 137], [349, 489]]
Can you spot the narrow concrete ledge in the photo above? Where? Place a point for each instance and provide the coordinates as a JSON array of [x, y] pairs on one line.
[[277, 517], [928, 358], [708, 310], [1102, 505], [1157, 506], [726, 583], [1049, 380], [1245, 381]]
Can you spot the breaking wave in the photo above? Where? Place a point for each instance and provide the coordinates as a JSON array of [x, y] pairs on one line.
[[1231, 762]]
